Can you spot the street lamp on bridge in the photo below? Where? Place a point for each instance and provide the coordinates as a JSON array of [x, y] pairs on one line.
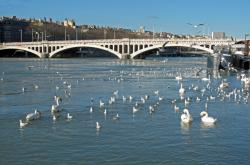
[[21, 35], [246, 52]]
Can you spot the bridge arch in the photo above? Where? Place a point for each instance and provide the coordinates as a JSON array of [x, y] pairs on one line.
[[86, 46], [133, 55], [24, 49]]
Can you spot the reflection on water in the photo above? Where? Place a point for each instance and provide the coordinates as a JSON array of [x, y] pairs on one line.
[[207, 125], [185, 127], [151, 135]]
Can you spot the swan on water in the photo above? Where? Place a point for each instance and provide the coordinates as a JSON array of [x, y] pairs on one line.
[[206, 119], [181, 90], [33, 116], [186, 117], [56, 107]]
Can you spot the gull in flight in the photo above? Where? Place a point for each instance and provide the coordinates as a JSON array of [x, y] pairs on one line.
[[195, 25]]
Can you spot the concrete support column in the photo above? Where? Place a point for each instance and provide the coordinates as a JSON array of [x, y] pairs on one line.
[[128, 49], [118, 48], [123, 48]]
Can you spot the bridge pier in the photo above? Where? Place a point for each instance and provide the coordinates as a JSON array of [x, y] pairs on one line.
[[126, 56], [44, 55]]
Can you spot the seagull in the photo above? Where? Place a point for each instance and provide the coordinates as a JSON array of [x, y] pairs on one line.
[[124, 98], [98, 126], [69, 117], [160, 98], [206, 79], [156, 92], [54, 117], [135, 110], [176, 109], [91, 110], [101, 104], [117, 117], [195, 26]]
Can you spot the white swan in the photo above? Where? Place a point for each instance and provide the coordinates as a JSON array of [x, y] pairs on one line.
[[98, 126], [206, 119], [56, 107], [181, 90], [22, 124], [33, 116], [186, 117]]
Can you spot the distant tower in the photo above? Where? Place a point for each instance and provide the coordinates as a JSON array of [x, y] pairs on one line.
[[141, 29]]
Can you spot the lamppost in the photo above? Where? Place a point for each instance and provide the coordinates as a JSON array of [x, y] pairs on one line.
[[104, 33], [21, 35], [76, 34], [32, 37], [246, 52], [42, 35], [37, 33], [152, 18], [65, 34]]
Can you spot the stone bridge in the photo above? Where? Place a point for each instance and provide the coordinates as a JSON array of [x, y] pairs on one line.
[[122, 48]]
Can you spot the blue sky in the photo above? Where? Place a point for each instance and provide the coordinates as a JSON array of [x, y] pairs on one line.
[[230, 16]]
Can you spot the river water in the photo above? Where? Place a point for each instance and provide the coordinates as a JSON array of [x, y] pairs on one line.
[[136, 138]]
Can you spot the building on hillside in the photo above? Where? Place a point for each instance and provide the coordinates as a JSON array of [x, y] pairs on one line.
[[69, 23], [218, 35]]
